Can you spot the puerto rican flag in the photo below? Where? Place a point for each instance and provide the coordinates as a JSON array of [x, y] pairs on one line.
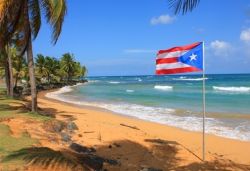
[[180, 59]]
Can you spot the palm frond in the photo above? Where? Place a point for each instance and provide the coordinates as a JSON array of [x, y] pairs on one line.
[[55, 11], [10, 13], [183, 6], [35, 17]]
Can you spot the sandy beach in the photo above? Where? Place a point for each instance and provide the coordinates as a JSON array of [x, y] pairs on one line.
[[136, 143]]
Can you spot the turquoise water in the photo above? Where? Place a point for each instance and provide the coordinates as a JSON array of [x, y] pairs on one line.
[[173, 100]]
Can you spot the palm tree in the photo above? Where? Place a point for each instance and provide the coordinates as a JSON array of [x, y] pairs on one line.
[[52, 65], [79, 71], [40, 66], [183, 6], [25, 16], [84, 71], [67, 65], [10, 52], [5, 70], [20, 69]]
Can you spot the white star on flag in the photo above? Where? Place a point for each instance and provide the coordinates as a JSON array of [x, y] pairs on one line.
[[193, 57]]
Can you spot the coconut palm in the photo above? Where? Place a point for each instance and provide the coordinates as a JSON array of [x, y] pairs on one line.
[[183, 6], [40, 65], [20, 68], [52, 66], [68, 65], [80, 71], [25, 16], [84, 71], [6, 62]]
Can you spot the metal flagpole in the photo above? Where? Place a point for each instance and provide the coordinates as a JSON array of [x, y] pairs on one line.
[[204, 102]]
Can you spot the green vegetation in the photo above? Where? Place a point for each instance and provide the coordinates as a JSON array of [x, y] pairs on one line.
[[20, 22], [9, 144], [51, 70]]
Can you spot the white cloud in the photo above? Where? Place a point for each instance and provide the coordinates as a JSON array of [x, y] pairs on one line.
[[162, 19], [220, 48], [139, 51], [245, 35]]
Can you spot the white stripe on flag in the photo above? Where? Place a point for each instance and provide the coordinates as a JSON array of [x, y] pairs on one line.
[[172, 54], [171, 66]]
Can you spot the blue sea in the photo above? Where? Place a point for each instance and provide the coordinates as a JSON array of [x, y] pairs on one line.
[[172, 100]]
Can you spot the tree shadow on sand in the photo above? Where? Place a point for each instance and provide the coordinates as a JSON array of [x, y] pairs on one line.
[[119, 155], [46, 158]]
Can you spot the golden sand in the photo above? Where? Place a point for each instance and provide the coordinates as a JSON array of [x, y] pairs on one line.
[[136, 143]]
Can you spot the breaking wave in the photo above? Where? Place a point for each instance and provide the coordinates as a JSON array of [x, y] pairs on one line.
[[232, 89], [163, 88], [189, 79], [114, 82]]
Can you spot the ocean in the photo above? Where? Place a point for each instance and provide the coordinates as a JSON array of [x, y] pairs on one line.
[[174, 100]]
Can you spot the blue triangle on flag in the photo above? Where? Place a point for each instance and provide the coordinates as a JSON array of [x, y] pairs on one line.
[[194, 57]]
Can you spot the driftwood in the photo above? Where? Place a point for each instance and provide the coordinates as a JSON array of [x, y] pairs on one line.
[[132, 127]]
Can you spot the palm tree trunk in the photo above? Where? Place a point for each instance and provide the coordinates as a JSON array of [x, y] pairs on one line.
[[68, 77], [16, 81], [11, 79], [32, 77], [7, 78]]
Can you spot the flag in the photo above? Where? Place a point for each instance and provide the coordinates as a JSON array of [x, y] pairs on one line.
[[180, 59]]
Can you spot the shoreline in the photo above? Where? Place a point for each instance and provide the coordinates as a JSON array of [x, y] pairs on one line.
[[189, 141], [178, 124]]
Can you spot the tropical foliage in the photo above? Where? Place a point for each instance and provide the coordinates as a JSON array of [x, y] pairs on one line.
[[22, 20], [49, 69]]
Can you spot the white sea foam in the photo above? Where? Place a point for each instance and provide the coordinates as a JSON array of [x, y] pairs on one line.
[[232, 89], [65, 89], [163, 88], [189, 79], [114, 82], [93, 81], [130, 91]]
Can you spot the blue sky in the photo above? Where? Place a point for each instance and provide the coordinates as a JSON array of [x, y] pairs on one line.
[[121, 37]]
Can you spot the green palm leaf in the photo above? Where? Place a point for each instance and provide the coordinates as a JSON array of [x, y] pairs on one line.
[[35, 17], [183, 6]]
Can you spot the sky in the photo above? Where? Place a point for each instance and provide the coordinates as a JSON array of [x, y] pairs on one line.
[[122, 37]]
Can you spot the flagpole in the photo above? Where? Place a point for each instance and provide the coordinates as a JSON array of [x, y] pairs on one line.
[[204, 102]]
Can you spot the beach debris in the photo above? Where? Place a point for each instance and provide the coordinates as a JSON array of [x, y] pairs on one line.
[[65, 137], [99, 136], [92, 162], [54, 126], [96, 162], [150, 169], [117, 145], [132, 127], [71, 126], [81, 149], [88, 132], [161, 141], [87, 157]]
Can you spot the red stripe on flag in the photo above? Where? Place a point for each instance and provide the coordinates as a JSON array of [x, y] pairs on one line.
[[177, 70], [180, 48], [166, 60]]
